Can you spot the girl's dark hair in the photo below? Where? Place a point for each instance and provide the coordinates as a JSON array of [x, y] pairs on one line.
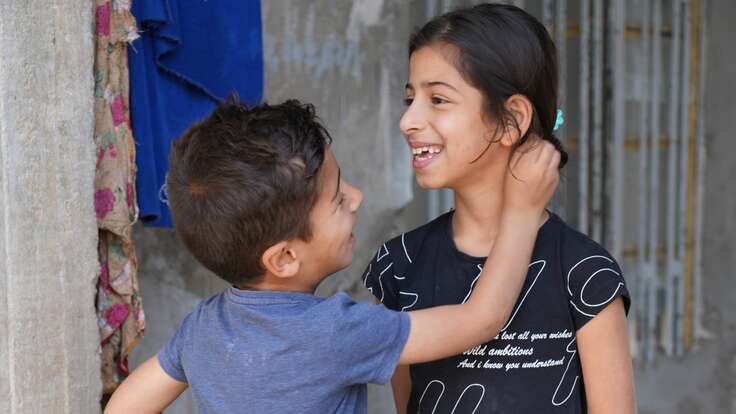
[[502, 51]]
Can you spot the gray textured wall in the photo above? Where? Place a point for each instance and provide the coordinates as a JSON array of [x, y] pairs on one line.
[[48, 234], [704, 382]]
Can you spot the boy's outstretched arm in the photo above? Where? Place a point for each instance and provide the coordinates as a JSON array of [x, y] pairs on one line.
[[444, 331], [149, 389]]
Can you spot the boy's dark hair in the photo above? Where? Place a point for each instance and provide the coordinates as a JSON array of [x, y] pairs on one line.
[[244, 179], [502, 51]]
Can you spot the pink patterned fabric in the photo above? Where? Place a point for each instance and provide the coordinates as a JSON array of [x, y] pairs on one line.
[[119, 311]]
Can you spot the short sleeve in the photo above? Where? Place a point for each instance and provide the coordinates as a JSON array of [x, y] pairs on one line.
[[368, 340], [593, 280], [170, 357], [379, 277]]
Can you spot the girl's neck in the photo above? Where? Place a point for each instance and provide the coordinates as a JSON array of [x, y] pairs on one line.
[[477, 216]]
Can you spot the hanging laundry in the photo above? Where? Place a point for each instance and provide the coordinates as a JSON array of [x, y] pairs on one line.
[[120, 315], [190, 55]]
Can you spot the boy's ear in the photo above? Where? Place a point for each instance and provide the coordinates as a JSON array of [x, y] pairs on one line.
[[281, 260], [523, 112]]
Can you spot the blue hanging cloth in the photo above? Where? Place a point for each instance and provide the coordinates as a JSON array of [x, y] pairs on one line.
[[191, 54]]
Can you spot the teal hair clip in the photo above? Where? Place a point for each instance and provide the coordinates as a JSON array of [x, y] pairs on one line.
[[559, 120]]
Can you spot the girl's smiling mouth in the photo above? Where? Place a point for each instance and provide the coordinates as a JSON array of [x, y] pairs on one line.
[[424, 154]]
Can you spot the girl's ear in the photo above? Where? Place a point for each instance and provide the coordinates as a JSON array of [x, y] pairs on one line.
[[522, 110]]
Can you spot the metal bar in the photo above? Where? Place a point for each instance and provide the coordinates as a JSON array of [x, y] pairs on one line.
[[633, 31], [698, 329], [632, 250], [644, 277], [687, 243], [631, 143], [446, 6], [671, 268], [431, 8], [547, 14], [654, 191], [684, 178], [583, 173], [597, 143], [619, 117], [643, 137], [561, 42]]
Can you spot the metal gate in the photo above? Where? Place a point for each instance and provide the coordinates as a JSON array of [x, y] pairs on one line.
[[631, 86]]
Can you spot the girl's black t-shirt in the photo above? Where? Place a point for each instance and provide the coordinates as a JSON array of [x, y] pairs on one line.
[[532, 366]]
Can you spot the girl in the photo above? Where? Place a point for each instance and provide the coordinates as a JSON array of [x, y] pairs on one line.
[[482, 81]]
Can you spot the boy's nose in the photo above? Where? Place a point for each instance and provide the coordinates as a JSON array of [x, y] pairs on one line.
[[356, 197]]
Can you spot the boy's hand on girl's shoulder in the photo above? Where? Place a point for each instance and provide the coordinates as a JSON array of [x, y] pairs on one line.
[[532, 176]]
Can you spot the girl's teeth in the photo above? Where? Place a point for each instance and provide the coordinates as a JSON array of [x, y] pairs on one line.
[[429, 150]]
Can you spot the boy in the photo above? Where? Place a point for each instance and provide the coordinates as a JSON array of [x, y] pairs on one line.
[[258, 198]]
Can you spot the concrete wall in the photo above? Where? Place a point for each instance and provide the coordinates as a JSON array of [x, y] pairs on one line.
[[704, 382], [48, 233]]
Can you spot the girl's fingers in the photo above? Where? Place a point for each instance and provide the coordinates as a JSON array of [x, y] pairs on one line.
[[555, 160], [540, 146], [535, 152], [530, 149], [553, 166]]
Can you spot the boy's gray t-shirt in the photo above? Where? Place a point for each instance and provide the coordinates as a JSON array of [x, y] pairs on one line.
[[281, 352]]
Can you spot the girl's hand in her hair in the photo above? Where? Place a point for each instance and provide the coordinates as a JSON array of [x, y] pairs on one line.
[[532, 177]]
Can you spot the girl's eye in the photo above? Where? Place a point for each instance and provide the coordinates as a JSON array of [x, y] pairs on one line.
[[436, 100], [408, 101], [342, 198]]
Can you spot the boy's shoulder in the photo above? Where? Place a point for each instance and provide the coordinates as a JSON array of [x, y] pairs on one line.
[[201, 314], [315, 317]]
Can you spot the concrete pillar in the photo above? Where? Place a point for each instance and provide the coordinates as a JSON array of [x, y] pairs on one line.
[[48, 233]]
